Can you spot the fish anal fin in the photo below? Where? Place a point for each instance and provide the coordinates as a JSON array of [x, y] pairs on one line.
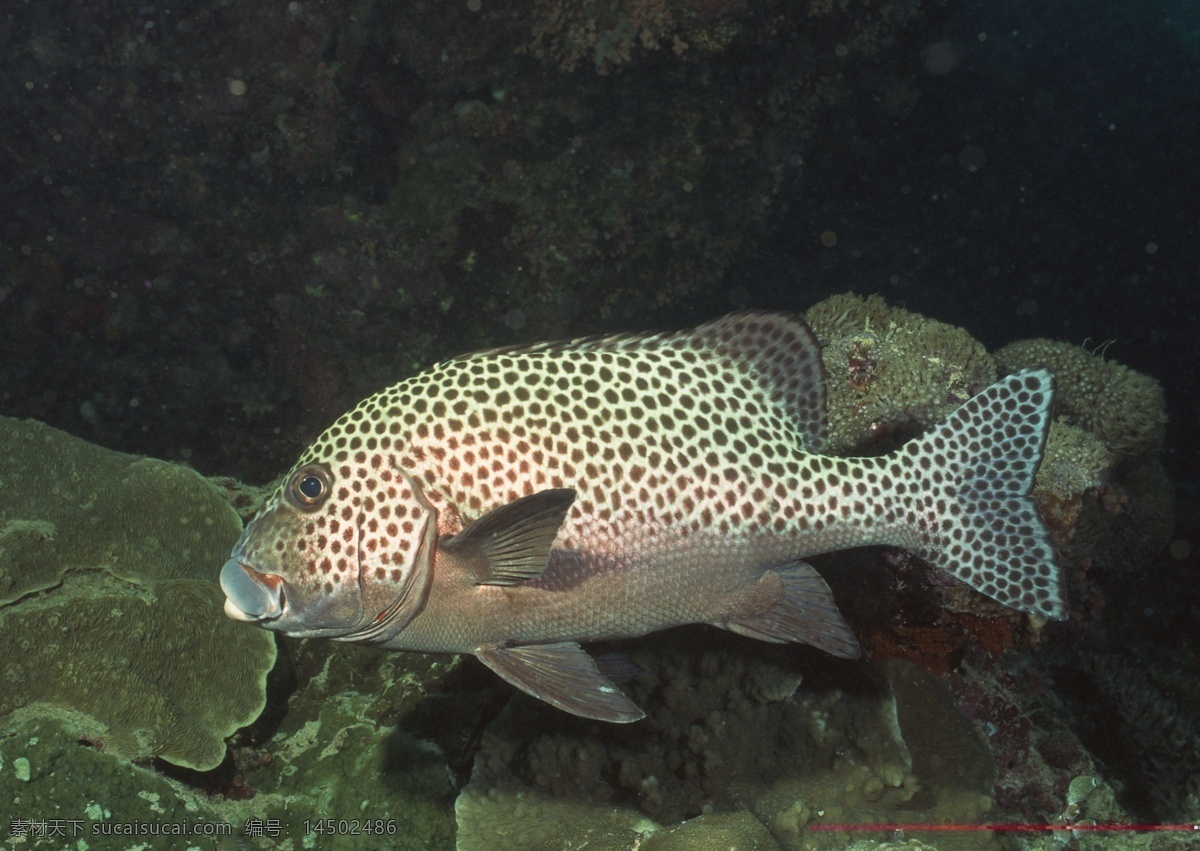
[[563, 675], [799, 607], [515, 539]]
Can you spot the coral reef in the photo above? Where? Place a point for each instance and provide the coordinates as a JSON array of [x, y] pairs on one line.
[[109, 607], [892, 374], [1076, 463], [1102, 487], [393, 789], [730, 728]]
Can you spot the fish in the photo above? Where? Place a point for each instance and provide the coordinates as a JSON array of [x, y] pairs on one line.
[[516, 503]]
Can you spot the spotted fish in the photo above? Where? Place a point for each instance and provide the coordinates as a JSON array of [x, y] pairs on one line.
[[512, 503]]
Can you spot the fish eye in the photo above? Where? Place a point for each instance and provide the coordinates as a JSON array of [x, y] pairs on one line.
[[310, 486]]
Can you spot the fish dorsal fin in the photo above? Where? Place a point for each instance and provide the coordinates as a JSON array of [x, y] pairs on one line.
[[515, 539], [783, 352], [564, 676]]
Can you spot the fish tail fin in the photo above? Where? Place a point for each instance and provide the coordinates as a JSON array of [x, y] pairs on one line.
[[971, 513]]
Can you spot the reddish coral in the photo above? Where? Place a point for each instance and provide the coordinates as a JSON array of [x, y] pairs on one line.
[[940, 647], [1034, 766]]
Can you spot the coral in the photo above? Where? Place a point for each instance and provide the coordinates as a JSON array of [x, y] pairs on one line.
[[1076, 461], [147, 671], [395, 788], [892, 374], [68, 504], [1123, 408], [607, 34], [108, 565], [1033, 767], [1076, 465], [730, 728], [1141, 718]]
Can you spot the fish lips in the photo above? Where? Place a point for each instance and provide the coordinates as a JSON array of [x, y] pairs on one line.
[[249, 595], [268, 601]]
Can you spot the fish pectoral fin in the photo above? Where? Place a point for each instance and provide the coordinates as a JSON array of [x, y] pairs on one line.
[[802, 610], [564, 676], [515, 539]]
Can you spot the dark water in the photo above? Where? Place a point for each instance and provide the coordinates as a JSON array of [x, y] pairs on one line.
[[223, 224]]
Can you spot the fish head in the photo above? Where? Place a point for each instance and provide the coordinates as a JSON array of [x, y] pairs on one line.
[[342, 550]]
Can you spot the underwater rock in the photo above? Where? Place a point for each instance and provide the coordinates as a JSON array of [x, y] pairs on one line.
[[735, 831], [109, 600]]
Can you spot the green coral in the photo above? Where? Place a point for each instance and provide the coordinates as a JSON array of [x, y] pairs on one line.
[[1122, 407], [891, 373], [108, 597], [397, 789], [1076, 461]]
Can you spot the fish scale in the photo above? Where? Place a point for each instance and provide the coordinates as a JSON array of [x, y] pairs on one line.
[[514, 502]]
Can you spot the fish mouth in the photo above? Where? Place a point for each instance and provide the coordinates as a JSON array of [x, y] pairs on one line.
[[249, 595]]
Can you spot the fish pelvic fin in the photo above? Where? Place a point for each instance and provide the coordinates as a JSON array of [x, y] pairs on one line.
[[563, 675], [972, 513], [792, 603], [515, 539]]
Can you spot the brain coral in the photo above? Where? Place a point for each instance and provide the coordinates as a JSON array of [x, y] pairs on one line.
[[108, 597]]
